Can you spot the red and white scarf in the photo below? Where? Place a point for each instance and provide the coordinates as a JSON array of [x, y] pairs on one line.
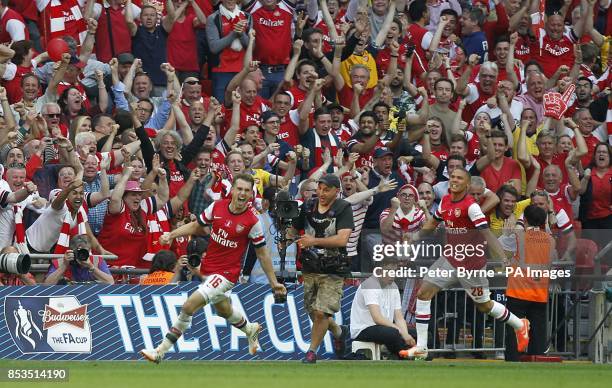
[[20, 235], [66, 231], [319, 150], [57, 25], [157, 224]]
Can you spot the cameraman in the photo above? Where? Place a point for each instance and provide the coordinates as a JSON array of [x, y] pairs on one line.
[[78, 265], [270, 222], [327, 223]]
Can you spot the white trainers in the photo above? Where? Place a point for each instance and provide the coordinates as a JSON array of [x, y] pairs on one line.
[[152, 355], [414, 353], [252, 331]]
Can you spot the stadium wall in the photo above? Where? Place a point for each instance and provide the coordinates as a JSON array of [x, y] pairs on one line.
[[93, 322]]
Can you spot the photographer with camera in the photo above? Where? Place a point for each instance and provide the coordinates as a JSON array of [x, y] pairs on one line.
[[191, 263], [327, 223], [78, 265]]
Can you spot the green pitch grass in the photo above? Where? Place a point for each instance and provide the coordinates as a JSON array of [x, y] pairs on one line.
[[354, 374]]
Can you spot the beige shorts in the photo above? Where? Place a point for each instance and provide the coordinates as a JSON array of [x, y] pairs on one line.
[[322, 292]]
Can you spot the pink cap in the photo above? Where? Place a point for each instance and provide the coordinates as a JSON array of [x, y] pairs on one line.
[[134, 187]]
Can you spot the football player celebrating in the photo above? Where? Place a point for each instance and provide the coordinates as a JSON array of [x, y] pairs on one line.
[[233, 224], [462, 217]]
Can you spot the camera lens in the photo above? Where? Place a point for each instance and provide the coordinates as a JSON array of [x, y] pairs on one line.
[[194, 260], [81, 254]]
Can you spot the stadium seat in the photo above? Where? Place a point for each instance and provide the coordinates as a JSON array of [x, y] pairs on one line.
[[372, 347]]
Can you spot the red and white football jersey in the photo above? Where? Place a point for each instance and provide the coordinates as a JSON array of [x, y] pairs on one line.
[[462, 219], [229, 238]]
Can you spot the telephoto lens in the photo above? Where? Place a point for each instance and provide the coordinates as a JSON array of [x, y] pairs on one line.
[[15, 263]]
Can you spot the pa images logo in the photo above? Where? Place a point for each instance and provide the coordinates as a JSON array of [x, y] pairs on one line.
[[43, 324]]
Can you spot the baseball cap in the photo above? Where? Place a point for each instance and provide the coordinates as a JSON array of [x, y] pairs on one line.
[[125, 58], [382, 151], [330, 180]]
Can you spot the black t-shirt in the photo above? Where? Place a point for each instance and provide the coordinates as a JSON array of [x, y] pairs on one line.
[[339, 216]]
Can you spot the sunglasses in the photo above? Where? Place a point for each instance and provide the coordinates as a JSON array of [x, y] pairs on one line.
[[192, 82], [53, 115]]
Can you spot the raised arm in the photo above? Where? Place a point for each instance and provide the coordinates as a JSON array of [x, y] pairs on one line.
[[167, 21], [384, 29], [90, 40], [462, 82], [327, 18], [200, 19], [116, 199], [510, 61], [307, 105], [129, 18], [230, 135], [435, 41], [246, 67]]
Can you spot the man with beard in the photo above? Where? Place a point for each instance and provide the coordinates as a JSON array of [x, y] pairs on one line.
[[505, 212], [366, 139], [66, 213]]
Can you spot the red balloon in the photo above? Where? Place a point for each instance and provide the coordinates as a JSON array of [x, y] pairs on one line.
[[56, 47]]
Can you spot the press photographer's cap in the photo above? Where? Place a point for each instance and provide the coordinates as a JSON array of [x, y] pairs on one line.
[[382, 151], [330, 180]]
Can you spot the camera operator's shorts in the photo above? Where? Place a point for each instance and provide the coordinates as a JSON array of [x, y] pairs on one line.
[[322, 292], [442, 274], [215, 288]]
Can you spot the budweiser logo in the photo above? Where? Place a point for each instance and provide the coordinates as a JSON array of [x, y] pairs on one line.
[[75, 317]]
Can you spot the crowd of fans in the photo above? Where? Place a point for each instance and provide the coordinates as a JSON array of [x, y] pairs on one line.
[[157, 104]]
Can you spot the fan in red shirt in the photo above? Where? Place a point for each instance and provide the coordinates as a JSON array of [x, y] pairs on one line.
[[233, 224], [556, 42], [477, 93], [290, 119], [126, 219], [360, 75], [502, 170], [12, 25]]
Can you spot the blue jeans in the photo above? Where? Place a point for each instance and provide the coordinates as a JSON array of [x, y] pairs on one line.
[[271, 82], [220, 82]]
